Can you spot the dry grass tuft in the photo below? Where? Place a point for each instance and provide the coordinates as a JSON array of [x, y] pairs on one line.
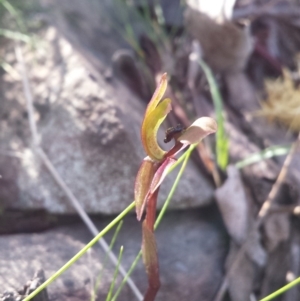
[[283, 102]]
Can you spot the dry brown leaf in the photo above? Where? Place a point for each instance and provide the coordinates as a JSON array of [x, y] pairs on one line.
[[255, 250], [277, 229], [232, 201], [234, 206], [240, 282], [276, 269], [226, 46]]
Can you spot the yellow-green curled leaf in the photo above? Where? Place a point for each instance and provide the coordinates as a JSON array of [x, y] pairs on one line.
[[142, 185], [158, 94], [150, 127], [199, 129]]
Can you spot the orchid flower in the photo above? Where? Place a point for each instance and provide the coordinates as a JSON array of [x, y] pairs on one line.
[[154, 169]]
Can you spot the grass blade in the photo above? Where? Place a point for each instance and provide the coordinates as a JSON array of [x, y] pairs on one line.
[[14, 13], [81, 252], [108, 298], [133, 265], [14, 35], [282, 290], [276, 150], [222, 147], [112, 243]]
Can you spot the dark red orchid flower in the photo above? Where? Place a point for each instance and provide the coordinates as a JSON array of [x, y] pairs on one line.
[[154, 169]]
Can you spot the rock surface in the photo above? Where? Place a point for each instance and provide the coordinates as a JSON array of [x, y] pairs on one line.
[[89, 128], [192, 246]]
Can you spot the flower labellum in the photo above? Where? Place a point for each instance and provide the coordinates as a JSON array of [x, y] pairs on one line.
[[198, 130]]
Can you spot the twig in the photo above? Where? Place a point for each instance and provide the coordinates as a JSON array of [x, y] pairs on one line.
[[52, 170], [275, 188], [292, 209], [259, 220]]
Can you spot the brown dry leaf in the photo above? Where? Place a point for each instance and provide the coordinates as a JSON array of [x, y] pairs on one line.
[[276, 269], [277, 230], [255, 250], [234, 206], [240, 282], [258, 177], [226, 46], [232, 201]]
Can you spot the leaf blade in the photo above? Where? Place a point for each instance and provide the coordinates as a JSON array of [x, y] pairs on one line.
[[142, 185]]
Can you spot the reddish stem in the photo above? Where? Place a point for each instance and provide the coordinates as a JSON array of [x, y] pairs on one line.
[[149, 249]]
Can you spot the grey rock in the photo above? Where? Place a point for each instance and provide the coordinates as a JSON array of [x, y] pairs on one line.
[[192, 246], [8, 296], [89, 128]]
